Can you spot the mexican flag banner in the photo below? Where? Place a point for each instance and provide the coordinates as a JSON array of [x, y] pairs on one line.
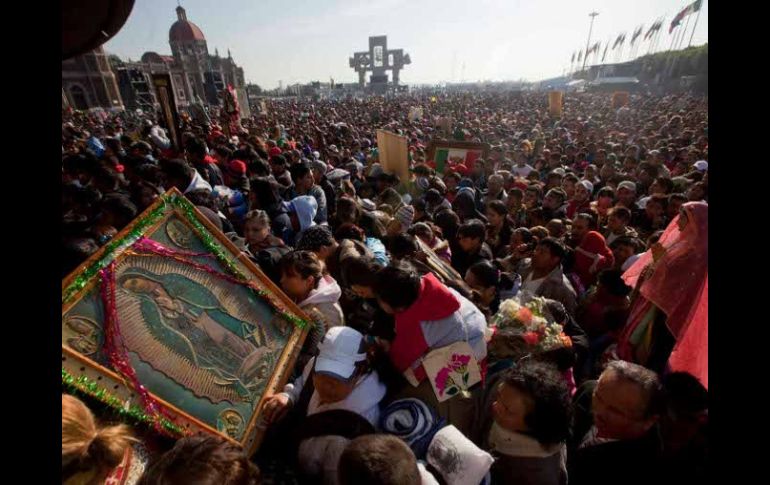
[[446, 157]]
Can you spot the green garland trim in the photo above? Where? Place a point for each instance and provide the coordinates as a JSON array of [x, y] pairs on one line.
[[88, 387]]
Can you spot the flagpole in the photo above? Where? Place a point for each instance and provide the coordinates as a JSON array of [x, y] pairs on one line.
[[695, 25], [590, 29], [672, 55], [684, 32], [671, 47], [656, 43], [652, 42]]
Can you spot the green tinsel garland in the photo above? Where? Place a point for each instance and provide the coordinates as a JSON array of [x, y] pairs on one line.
[[88, 387]]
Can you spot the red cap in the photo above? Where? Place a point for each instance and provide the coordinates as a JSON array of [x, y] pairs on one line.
[[274, 151], [237, 167]]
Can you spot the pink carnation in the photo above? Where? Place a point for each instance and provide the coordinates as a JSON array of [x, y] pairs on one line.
[[441, 379]]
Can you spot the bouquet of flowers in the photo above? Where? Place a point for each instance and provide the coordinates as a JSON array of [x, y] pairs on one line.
[[533, 320]]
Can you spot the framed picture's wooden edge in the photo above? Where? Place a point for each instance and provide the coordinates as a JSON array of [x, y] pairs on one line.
[[434, 144], [116, 377], [288, 355], [289, 358], [446, 271]]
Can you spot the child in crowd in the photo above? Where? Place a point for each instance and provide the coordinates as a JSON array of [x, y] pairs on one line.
[[490, 286], [256, 231], [91, 453], [304, 280]]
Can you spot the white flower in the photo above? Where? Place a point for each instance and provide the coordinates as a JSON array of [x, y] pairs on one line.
[[509, 308], [537, 322]]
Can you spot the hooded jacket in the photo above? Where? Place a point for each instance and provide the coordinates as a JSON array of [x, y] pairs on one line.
[[592, 256], [198, 183], [319, 455], [323, 302], [305, 206], [464, 204]]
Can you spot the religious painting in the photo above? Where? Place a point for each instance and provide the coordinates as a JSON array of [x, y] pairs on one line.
[[443, 271], [168, 109], [180, 325], [378, 55], [446, 154]]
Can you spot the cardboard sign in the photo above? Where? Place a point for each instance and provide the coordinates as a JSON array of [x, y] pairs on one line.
[[555, 104], [394, 154], [619, 99], [445, 124], [243, 103], [415, 113]]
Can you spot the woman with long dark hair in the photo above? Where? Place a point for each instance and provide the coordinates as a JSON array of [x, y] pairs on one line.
[[264, 195]]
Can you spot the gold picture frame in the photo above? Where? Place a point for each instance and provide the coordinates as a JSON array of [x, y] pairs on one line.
[[204, 331]]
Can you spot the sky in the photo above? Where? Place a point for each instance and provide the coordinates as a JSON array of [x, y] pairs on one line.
[[448, 40]]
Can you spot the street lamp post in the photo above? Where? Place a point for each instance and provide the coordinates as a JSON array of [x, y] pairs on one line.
[[590, 29]]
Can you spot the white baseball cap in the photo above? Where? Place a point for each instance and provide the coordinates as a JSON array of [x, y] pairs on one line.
[[339, 352], [588, 185], [701, 165]]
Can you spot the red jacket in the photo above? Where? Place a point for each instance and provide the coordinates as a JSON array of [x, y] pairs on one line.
[[434, 302]]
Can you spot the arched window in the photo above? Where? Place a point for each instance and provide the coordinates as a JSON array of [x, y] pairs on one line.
[[79, 98]]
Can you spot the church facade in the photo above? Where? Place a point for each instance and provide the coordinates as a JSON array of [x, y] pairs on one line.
[[194, 72]]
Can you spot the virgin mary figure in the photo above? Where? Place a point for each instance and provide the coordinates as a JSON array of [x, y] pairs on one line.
[[187, 317]]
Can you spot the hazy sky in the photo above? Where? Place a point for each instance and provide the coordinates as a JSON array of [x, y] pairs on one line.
[[448, 40]]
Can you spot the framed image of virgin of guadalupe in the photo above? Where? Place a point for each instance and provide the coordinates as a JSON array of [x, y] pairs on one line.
[[171, 325]]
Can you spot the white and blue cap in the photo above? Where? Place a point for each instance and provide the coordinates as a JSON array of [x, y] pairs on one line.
[[701, 165], [339, 352]]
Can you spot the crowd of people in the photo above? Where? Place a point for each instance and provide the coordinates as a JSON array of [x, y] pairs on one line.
[[575, 281]]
